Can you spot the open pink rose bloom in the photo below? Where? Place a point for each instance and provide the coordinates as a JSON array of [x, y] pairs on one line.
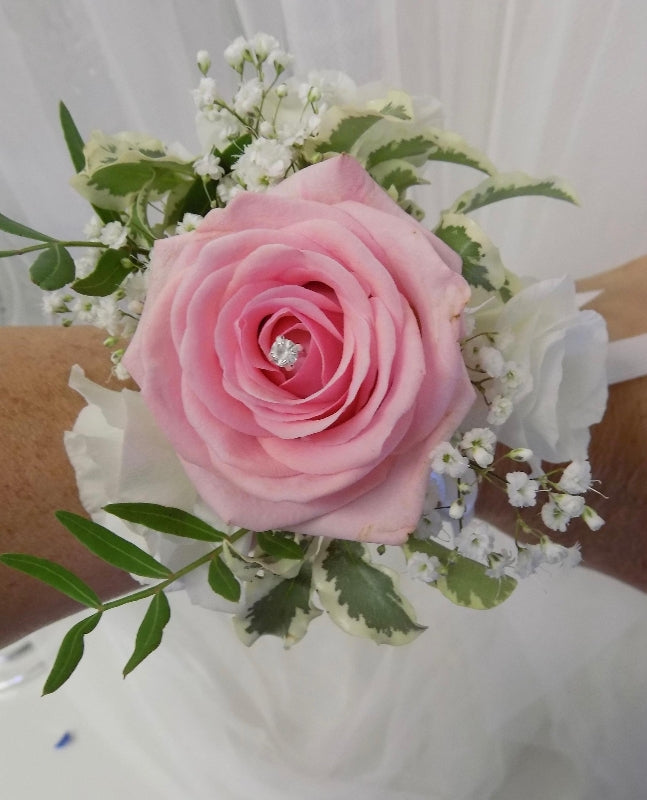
[[300, 350]]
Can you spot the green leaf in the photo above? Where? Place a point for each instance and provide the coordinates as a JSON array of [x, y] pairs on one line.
[[72, 137], [279, 544], [393, 139], [166, 520], [230, 155], [112, 548], [10, 226], [464, 581], [397, 173], [222, 580], [53, 575], [107, 276], [149, 635], [345, 130], [278, 607], [361, 597], [482, 266], [53, 269], [513, 184], [70, 653]]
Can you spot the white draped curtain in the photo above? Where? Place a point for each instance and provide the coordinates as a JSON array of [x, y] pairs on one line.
[[546, 86]]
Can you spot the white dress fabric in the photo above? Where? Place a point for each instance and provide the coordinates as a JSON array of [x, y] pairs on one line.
[[545, 696]]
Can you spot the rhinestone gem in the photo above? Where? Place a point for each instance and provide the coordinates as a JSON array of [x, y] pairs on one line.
[[284, 353]]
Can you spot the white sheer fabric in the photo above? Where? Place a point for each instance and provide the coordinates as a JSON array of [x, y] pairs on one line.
[[543, 697]]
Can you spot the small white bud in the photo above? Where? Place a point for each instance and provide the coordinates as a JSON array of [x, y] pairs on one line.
[[203, 60]]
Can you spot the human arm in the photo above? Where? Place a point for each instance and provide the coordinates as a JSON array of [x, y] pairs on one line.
[[618, 446], [36, 406]]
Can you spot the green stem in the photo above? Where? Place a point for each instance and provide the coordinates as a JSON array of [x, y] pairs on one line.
[[45, 245], [159, 587]]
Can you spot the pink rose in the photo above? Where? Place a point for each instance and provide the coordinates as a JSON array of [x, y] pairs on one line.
[[339, 444]]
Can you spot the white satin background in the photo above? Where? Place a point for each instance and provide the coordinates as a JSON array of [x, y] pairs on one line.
[[544, 697]]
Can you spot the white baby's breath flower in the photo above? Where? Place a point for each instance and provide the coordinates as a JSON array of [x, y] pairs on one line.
[[209, 165], [264, 163], [499, 562], [478, 444], [206, 94], [83, 310], [457, 509], [571, 504], [423, 567], [529, 558], [576, 478], [262, 44], [515, 379], [554, 517], [446, 460], [114, 235], [84, 265], [475, 540], [553, 553], [522, 489], [227, 189], [54, 303], [491, 361], [279, 59], [93, 228], [500, 409], [248, 97], [592, 518], [237, 53], [188, 223]]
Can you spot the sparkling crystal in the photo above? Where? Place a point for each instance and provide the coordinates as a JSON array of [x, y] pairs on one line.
[[284, 353]]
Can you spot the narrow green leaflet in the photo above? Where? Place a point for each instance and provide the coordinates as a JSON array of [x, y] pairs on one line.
[[278, 607], [149, 635], [112, 548], [53, 575], [112, 267], [53, 269], [166, 520], [10, 226], [222, 580], [361, 597], [512, 184], [70, 653], [279, 544], [482, 266], [464, 581], [72, 137]]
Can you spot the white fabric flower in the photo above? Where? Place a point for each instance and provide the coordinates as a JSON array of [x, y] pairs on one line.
[[564, 351]]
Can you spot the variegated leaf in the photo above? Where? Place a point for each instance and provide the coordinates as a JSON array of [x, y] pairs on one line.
[[392, 139], [482, 266], [462, 580], [363, 598], [397, 174], [278, 607], [504, 186]]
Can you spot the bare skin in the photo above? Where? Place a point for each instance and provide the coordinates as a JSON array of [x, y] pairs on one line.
[[36, 405]]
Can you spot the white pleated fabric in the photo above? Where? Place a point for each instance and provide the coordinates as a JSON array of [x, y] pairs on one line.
[[543, 697]]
